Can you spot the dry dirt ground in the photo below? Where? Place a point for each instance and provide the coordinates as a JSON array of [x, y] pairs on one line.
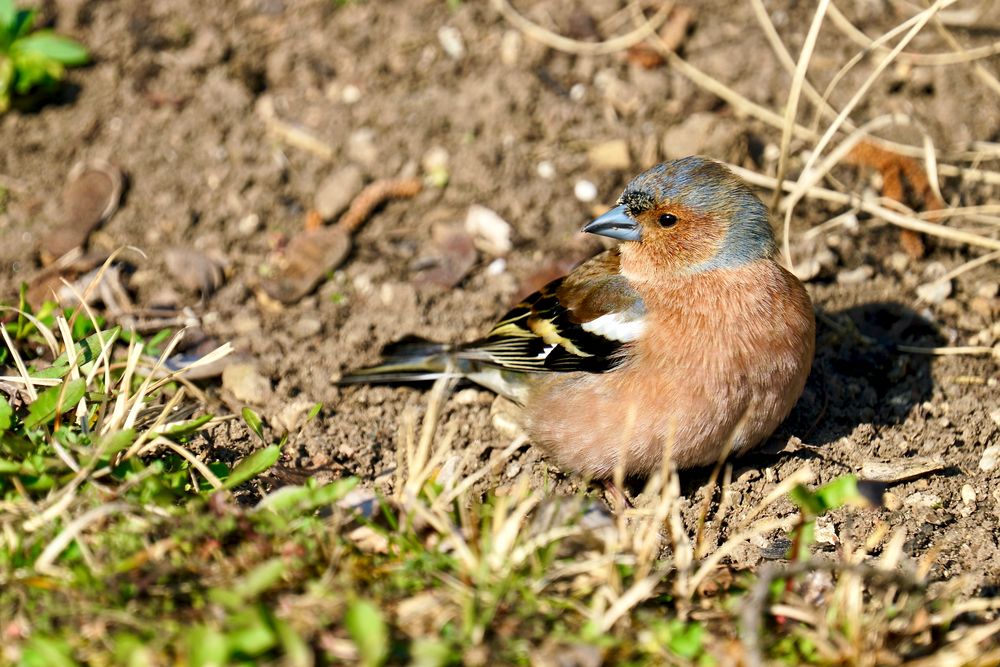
[[182, 97]]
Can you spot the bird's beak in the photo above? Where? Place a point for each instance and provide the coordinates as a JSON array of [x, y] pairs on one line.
[[615, 224]]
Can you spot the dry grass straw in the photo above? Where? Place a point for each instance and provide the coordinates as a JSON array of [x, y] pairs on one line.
[[132, 410]]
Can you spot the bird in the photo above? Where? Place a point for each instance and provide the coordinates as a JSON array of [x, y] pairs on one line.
[[685, 340]]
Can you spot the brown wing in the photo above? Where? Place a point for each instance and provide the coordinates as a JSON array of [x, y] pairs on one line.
[[578, 322]]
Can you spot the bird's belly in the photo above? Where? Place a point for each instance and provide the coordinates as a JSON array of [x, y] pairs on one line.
[[632, 417]]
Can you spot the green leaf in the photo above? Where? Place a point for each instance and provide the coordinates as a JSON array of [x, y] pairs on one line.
[[839, 492], [308, 497], [55, 47], [6, 15], [207, 647], [364, 623], [46, 652], [6, 81], [86, 352], [253, 421], [687, 640], [313, 411], [253, 465], [43, 410], [116, 442], [260, 579], [5, 414], [185, 428]]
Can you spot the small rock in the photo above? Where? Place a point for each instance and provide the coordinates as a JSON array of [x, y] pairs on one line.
[[585, 191], [610, 155], [934, 292], [290, 417], [246, 383], [451, 258], [306, 327], [351, 94], [934, 270], [435, 166], [510, 47], [451, 41], [577, 92], [361, 146], [899, 262], [512, 470], [336, 191], [968, 494], [988, 290], [490, 231], [248, 224], [497, 267], [990, 458], [891, 501], [546, 170], [194, 270], [855, 276], [923, 499]]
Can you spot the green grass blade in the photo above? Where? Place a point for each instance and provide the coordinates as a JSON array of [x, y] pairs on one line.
[[253, 465]]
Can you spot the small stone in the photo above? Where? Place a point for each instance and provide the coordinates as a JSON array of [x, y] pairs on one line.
[[891, 501], [435, 166], [546, 170], [351, 94], [361, 146], [934, 270], [513, 470], [899, 262], [468, 396], [306, 327], [290, 417], [246, 383], [968, 494], [585, 191], [610, 155], [451, 41], [336, 191], [510, 47], [490, 232], [923, 499], [577, 92], [988, 290], [855, 276], [990, 458], [934, 292], [497, 267], [248, 224]]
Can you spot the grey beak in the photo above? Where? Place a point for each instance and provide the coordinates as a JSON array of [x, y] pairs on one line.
[[615, 224]]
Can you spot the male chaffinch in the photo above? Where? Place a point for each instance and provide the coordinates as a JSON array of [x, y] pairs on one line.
[[686, 339]]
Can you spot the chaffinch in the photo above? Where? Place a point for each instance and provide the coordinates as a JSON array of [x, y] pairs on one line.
[[687, 339]]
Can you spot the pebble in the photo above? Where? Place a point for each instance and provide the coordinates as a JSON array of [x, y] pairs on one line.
[[585, 191], [922, 499], [451, 41], [934, 292], [968, 494], [290, 417], [546, 170], [361, 146], [510, 47], [988, 290], [351, 94], [934, 270], [248, 224], [990, 458], [336, 191], [855, 276], [891, 501], [610, 155], [513, 470], [497, 267], [306, 327], [435, 166], [899, 261], [246, 383], [490, 232], [577, 92]]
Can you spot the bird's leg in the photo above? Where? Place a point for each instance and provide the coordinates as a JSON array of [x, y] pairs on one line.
[[619, 500]]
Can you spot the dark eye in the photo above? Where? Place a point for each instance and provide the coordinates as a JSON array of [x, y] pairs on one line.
[[668, 220]]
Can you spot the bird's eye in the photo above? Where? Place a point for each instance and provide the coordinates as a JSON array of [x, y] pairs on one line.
[[668, 220]]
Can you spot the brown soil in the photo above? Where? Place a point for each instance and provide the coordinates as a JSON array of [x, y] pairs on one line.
[[177, 99]]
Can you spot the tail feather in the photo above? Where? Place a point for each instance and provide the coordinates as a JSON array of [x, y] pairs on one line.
[[410, 359]]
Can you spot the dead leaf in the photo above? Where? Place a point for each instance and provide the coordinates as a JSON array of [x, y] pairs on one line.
[[91, 196], [308, 257]]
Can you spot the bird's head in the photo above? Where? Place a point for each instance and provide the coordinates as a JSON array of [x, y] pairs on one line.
[[687, 216]]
